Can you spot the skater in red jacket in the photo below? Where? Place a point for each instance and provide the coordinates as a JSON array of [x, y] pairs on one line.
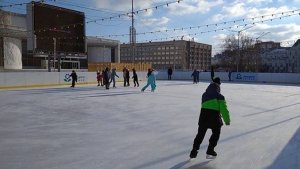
[[213, 109], [99, 78]]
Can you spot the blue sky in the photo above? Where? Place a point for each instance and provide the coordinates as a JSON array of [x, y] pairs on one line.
[[187, 13]]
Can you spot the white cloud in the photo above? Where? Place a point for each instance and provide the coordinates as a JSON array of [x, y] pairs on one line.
[[278, 33], [193, 6], [281, 1], [235, 10], [232, 10], [253, 12], [218, 17], [154, 22], [259, 1], [123, 5], [220, 36], [241, 10]]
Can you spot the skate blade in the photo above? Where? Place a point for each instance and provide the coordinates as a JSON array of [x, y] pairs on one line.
[[192, 159], [210, 157]]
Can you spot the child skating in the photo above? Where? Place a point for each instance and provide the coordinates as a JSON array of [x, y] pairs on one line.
[[213, 109], [150, 81], [113, 77], [135, 78]]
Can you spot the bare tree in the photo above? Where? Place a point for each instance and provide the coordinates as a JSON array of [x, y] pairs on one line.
[[240, 54]]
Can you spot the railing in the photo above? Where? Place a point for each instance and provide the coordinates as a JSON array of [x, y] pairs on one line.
[[93, 67]]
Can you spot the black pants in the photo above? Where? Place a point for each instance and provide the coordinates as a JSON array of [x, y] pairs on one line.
[[136, 82], [73, 83], [169, 77], [195, 80], [214, 138], [125, 81]]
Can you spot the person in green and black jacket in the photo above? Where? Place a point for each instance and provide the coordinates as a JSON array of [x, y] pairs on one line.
[[213, 109]]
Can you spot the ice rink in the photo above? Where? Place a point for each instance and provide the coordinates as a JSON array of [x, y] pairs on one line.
[[89, 127]]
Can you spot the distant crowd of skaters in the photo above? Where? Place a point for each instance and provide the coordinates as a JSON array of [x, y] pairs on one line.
[[107, 76]]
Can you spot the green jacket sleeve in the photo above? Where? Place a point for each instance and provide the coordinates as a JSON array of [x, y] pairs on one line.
[[224, 111]]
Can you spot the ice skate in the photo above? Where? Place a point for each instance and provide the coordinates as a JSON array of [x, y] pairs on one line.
[[211, 154], [193, 154]]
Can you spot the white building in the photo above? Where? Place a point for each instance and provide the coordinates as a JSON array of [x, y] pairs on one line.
[[12, 32], [102, 50]]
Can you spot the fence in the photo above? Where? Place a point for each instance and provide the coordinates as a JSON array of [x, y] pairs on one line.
[[143, 67]]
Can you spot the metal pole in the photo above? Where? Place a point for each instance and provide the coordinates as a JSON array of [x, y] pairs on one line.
[[49, 65], [239, 53], [175, 54], [54, 52], [132, 24]]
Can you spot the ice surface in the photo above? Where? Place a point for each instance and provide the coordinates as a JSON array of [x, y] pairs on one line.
[[89, 127]]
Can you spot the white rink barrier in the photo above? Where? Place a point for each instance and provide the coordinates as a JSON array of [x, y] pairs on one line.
[[32, 79], [235, 76]]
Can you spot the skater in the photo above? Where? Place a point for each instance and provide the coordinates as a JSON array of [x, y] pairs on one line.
[[135, 78], [198, 74], [212, 73], [126, 77], [74, 78], [195, 76], [113, 75], [150, 81], [106, 78], [229, 75], [212, 109], [99, 78], [170, 72]]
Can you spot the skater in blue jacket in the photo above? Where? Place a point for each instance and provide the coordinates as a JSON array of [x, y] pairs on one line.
[[113, 77], [150, 81]]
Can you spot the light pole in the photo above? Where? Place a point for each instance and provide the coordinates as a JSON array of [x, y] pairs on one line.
[[132, 33], [256, 40], [239, 51], [54, 52]]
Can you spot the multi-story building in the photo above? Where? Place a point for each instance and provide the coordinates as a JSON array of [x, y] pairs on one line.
[[267, 45], [18, 50], [276, 60], [282, 59], [179, 54], [294, 58]]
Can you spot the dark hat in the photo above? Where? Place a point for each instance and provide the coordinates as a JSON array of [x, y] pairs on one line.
[[217, 80]]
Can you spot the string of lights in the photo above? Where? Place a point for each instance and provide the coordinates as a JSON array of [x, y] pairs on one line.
[[191, 34], [134, 12], [220, 29], [83, 7], [207, 25], [67, 26], [184, 35]]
